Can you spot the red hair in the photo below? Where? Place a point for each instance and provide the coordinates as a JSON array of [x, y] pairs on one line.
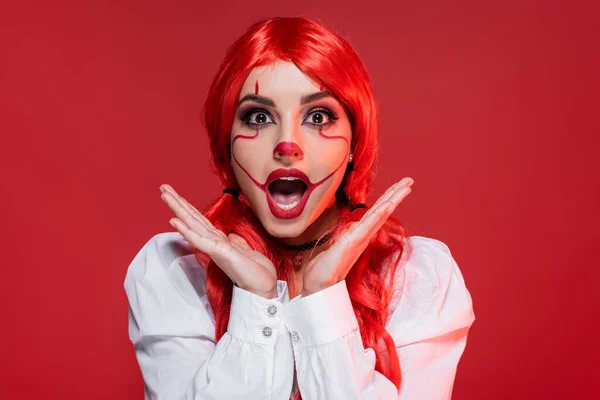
[[318, 52]]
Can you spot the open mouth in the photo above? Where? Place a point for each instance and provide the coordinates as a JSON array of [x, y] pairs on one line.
[[287, 191]]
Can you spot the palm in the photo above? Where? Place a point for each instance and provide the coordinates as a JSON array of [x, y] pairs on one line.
[[258, 264], [320, 272], [333, 264], [247, 268]]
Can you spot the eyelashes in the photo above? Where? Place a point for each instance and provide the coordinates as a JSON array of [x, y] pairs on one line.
[[331, 115], [258, 117], [250, 116]]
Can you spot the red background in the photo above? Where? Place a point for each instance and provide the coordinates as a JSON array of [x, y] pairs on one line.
[[491, 107]]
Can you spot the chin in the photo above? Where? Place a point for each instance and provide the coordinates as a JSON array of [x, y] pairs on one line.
[[292, 228], [284, 228]]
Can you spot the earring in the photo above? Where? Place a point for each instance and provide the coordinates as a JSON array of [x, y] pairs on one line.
[[351, 156]]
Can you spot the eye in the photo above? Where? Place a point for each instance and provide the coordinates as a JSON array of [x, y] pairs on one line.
[[257, 117], [320, 117]]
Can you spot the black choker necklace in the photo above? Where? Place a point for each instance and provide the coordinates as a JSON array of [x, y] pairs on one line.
[[299, 248]]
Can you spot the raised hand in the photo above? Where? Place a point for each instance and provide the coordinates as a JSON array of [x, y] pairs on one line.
[[332, 265], [248, 269]]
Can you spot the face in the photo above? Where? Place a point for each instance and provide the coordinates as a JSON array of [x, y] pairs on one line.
[[290, 144]]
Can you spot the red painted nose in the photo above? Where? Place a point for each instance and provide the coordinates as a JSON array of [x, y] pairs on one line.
[[288, 149]]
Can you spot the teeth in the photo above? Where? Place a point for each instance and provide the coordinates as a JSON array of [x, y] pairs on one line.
[[289, 178], [288, 206]]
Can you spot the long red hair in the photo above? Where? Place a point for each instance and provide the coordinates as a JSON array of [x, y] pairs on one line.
[[329, 60]]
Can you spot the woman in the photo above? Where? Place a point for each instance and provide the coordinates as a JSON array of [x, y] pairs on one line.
[[289, 285]]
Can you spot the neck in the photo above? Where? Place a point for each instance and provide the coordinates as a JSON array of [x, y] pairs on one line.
[[326, 221]]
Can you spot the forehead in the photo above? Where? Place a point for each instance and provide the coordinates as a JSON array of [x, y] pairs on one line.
[[276, 79]]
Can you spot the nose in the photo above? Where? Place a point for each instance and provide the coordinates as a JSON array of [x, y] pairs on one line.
[[289, 150]]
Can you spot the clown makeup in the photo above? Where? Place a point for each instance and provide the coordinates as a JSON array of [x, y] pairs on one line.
[[290, 143]]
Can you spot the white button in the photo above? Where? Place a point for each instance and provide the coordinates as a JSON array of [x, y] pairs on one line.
[[272, 310], [267, 332], [295, 336]]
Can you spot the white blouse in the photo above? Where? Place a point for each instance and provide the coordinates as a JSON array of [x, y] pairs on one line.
[[273, 348]]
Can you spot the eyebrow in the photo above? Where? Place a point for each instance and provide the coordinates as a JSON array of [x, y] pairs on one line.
[[268, 102], [315, 96], [259, 99]]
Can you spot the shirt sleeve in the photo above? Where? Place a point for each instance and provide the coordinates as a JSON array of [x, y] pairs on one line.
[[429, 331], [431, 320], [171, 326]]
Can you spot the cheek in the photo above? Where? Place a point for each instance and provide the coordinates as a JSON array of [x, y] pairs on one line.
[[249, 152], [327, 153], [247, 175], [323, 197]]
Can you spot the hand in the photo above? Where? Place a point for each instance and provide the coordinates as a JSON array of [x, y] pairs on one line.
[[332, 265], [248, 269]]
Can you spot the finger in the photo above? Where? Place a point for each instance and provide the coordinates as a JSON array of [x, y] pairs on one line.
[[197, 214], [217, 249], [194, 212], [406, 181], [360, 233], [224, 253], [184, 215], [393, 189], [371, 224], [202, 219], [169, 188], [382, 198], [203, 243], [191, 209]]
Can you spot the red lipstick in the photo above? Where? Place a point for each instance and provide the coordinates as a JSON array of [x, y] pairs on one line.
[[283, 211]]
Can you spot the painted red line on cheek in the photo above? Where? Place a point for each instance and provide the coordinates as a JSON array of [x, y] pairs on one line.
[[331, 137], [256, 87], [257, 183], [263, 186], [343, 161]]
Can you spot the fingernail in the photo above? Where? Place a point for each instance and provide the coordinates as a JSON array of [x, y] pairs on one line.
[[172, 224], [162, 188]]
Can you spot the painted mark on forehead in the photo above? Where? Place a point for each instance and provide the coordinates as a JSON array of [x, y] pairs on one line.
[[256, 87]]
